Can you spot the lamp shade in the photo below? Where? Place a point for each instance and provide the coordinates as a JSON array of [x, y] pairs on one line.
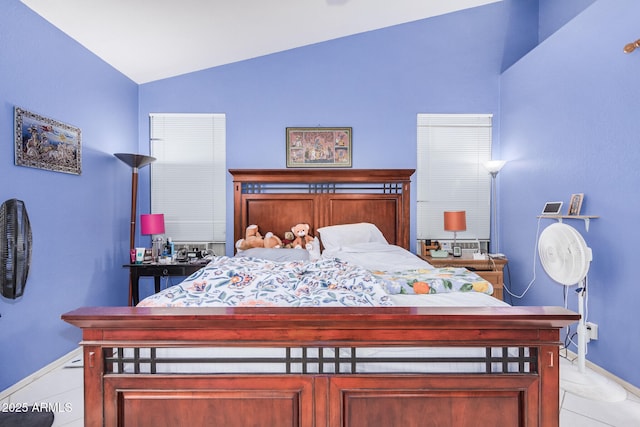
[[152, 223], [135, 160], [494, 166], [455, 220]]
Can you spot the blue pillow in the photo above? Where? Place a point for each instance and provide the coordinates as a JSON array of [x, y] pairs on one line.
[[276, 254]]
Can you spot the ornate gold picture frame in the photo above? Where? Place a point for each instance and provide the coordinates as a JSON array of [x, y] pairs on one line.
[[319, 147]]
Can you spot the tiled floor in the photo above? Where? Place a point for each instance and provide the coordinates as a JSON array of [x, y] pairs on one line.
[[583, 412], [63, 388]]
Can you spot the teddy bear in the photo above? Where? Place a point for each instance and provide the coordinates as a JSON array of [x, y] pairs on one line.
[[253, 239], [287, 241], [272, 241], [301, 234]]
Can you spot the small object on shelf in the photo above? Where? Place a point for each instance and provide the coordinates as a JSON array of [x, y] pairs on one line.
[[575, 204], [140, 252], [194, 254], [431, 244], [552, 208], [438, 253], [170, 248]]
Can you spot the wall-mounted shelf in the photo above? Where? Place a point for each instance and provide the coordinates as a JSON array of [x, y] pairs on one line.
[[559, 218]]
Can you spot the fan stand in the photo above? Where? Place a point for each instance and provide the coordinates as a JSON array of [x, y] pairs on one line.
[[582, 381], [565, 256]]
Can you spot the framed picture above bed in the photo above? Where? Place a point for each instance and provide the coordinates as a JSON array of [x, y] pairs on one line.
[[319, 147]]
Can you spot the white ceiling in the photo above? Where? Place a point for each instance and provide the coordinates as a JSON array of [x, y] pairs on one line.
[[149, 40]]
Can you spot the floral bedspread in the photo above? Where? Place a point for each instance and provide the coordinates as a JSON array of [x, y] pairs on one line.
[[247, 281], [433, 281]]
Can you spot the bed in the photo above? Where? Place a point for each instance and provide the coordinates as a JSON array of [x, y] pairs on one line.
[[392, 358]]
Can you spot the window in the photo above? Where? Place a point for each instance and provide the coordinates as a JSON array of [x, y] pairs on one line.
[[188, 177], [450, 174]]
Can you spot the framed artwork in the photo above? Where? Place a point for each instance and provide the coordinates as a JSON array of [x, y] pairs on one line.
[[576, 204], [319, 147], [44, 143]]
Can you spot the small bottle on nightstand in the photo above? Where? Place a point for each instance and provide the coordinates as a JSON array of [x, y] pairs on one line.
[[170, 248]]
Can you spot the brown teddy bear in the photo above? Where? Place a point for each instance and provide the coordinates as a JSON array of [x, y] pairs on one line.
[[301, 234], [287, 241], [253, 239], [272, 241]]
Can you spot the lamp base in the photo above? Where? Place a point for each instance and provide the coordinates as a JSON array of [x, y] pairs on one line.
[[156, 249]]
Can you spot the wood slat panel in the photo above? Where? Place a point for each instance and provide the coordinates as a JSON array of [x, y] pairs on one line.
[[436, 400], [176, 400]]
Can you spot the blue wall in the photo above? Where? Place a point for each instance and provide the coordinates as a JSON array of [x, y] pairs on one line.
[[375, 82], [555, 14], [79, 223], [570, 125]]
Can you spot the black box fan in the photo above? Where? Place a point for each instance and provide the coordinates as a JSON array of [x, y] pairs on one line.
[[15, 248]]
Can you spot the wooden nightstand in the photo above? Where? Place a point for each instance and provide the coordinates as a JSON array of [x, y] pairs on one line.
[[489, 269], [157, 271]]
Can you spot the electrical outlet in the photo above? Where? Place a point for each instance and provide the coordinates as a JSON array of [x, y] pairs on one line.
[[592, 331]]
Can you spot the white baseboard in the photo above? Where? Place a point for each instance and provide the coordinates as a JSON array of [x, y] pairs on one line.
[[570, 355], [65, 361]]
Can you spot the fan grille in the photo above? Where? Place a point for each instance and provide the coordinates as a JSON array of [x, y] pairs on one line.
[[564, 254], [15, 247]]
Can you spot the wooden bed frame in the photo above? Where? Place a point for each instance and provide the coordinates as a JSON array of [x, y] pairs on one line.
[[125, 386], [278, 199]]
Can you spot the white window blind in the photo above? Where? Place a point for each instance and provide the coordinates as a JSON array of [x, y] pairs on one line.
[[189, 175], [450, 174]]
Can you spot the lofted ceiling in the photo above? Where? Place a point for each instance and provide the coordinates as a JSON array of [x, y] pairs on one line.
[[149, 40]]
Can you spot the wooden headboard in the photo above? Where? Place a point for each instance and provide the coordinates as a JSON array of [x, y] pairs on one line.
[[277, 199]]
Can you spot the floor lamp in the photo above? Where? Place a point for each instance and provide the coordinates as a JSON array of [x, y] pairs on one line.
[[494, 166], [135, 161]]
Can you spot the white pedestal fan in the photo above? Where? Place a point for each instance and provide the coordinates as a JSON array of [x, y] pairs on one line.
[[566, 258]]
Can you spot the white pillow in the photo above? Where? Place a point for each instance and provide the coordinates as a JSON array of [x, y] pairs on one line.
[[337, 236], [313, 248]]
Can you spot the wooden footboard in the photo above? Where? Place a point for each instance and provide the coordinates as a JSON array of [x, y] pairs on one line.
[[323, 375]]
